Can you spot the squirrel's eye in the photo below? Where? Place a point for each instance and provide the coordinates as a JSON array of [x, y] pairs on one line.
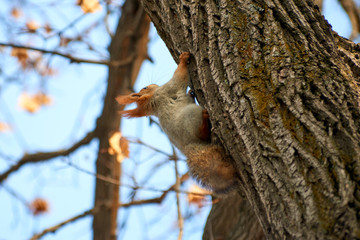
[[145, 88]]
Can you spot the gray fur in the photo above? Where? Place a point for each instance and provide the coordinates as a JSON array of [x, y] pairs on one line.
[[181, 119]]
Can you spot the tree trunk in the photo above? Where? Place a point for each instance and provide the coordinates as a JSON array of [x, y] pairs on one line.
[[129, 42], [282, 90], [232, 218]]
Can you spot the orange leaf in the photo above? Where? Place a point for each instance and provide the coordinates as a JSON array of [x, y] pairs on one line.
[[16, 13], [39, 205], [197, 195], [118, 146], [33, 103], [32, 26], [124, 145], [22, 55], [28, 103], [42, 98], [89, 6]]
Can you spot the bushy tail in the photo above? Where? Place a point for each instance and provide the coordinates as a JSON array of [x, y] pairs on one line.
[[210, 166]]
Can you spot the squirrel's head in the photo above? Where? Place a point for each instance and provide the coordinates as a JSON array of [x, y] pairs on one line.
[[142, 100]]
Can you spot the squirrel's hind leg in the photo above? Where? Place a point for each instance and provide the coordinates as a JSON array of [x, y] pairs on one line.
[[209, 165]]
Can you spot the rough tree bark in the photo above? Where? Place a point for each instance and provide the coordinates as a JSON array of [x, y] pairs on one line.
[[233, 218], [130, 41], [282, 90]]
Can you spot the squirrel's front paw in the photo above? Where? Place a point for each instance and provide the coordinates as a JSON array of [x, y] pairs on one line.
[[184, 57], [205, 114]]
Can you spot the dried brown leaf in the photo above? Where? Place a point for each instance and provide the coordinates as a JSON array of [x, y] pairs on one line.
[[39, 206], [33, 103], [42, 98], [89, 6], [22, 56], [32, 26], [124, 145], [28, 103], [64, 41], [118, 146], [16, 13], [197, 195]]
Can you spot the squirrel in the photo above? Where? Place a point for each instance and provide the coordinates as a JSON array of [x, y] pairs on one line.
[[188, 127]]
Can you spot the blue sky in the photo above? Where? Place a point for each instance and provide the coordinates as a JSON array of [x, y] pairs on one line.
[[77, 91]]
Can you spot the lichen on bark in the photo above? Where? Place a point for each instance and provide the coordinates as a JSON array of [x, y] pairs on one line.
[[282, 90]]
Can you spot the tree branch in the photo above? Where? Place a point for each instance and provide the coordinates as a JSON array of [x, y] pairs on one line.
[[352, 11], [138, 141], [97, 208], [294, 132], [15, 194], [72, 58], [73, 219], [117, 182], [43, 156], [177, 188]]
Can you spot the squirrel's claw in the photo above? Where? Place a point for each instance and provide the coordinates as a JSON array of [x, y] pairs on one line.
[[184, 57]]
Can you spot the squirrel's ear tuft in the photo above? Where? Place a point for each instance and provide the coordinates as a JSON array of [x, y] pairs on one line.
[[142, 101], [126, 99], [133, 113]]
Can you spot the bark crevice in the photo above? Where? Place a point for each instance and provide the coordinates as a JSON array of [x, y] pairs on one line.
[[283, 93]]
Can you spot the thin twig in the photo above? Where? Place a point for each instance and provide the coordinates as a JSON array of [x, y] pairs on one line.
[[92, 211], [98, 176], [56, 227], [70, 25], [72, 58], [177, 188], [116, 182], [138, 141], [97, 208], [44, 156], [16, 195], [106, 21]]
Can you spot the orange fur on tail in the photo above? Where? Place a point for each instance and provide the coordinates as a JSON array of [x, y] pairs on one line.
[[188, 127]]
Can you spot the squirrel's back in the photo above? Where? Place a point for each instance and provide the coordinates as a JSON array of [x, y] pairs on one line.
[[187, 126], [181, 123]]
